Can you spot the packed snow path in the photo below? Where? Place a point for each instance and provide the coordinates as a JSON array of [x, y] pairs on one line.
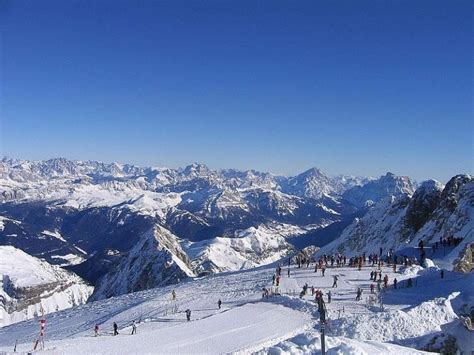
[[225, 332]]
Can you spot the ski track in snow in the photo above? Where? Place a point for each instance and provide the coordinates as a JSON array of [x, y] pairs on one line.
[[247, 323]]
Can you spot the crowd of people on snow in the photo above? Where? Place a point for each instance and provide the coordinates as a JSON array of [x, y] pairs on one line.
[[376, 260]]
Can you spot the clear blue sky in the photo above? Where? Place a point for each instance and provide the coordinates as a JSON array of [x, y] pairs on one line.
[[360, 87]]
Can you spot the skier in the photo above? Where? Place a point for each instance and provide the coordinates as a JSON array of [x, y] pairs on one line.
[[115, 329], [278, 280], [395, 284], [372, 287], [273, 280], [329, 296], [359, 294], [96, 330], [134, 328], [188, 314], [335, 281], [385, 281], [288, 272], [173, 295], [323, 270], [219, 303]]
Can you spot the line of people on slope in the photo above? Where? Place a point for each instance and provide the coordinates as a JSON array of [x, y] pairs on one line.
[[134, 323]]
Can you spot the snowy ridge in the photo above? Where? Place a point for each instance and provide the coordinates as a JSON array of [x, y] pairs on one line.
[[249, 248]]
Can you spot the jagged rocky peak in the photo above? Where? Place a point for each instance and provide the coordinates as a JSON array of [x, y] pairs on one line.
[[313, 183], [376, 190], [396, 183], [424, 201], [196, 169], [450, 194]]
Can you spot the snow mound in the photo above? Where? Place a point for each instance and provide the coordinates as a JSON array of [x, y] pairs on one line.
[[395, 325]]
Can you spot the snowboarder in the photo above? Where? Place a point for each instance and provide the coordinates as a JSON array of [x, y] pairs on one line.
[[115, 329], [96, 330], [173, 295], [335, 281], [188, 314], [219, 303], [134, 328]]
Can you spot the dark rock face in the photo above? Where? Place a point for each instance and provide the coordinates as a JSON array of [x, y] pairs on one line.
[[465, 262], [424, 201], [449, 197]]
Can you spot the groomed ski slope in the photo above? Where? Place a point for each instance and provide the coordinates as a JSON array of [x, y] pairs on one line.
[[247, 323]]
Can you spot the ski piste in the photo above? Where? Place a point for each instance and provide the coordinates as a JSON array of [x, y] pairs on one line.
[[249, 322]]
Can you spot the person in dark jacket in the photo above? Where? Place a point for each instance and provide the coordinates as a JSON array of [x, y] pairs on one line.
[[115, 329], [188, 314]]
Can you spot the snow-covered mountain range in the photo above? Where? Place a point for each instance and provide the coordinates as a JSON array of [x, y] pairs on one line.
[[124, 228]]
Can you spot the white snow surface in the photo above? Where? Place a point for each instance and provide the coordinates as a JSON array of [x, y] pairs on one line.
[[24, 270], [247, 323]]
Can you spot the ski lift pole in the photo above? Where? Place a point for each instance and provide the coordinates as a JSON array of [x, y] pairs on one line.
[[323, 341], [322, 320]]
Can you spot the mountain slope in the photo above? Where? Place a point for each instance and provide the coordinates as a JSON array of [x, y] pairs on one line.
[[431, 214], [29, 286], [156, 260]]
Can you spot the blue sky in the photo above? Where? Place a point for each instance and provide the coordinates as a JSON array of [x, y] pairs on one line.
[[358, 87]]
